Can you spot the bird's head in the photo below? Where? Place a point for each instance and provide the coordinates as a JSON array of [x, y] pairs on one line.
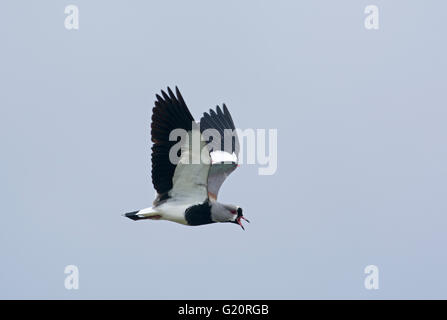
[[227, 213], [238, 217]]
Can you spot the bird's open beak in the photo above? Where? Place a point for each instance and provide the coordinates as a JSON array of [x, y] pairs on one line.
[[238, 220]]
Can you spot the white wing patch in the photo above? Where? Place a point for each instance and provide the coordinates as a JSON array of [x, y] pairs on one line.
[[222, 156], [223, 163]]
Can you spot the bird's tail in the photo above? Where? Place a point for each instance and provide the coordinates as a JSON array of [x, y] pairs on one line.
[[148, 213]]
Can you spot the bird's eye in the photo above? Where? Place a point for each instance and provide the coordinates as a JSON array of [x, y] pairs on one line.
[[233, 211]]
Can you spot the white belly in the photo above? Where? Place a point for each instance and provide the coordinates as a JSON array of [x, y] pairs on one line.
[[173, 211]]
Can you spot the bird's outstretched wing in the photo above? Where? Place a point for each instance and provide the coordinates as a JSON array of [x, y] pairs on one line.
[[186, 178], [224, 150], [191, 174]]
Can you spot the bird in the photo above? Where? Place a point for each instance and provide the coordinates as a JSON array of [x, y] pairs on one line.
[[187, 189]]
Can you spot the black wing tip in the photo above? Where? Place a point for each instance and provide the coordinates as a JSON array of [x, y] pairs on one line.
[[221, 115], [168, 94], [220, 119]]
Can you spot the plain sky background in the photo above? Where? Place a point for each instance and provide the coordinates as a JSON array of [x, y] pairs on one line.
[[362, 127]]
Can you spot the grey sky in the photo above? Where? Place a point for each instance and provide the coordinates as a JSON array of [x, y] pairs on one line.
[[361, 118]]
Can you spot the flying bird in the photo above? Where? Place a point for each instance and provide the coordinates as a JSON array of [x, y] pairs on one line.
[[187, 189]]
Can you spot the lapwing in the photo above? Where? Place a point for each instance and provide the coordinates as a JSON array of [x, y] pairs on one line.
[[187, 189]]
